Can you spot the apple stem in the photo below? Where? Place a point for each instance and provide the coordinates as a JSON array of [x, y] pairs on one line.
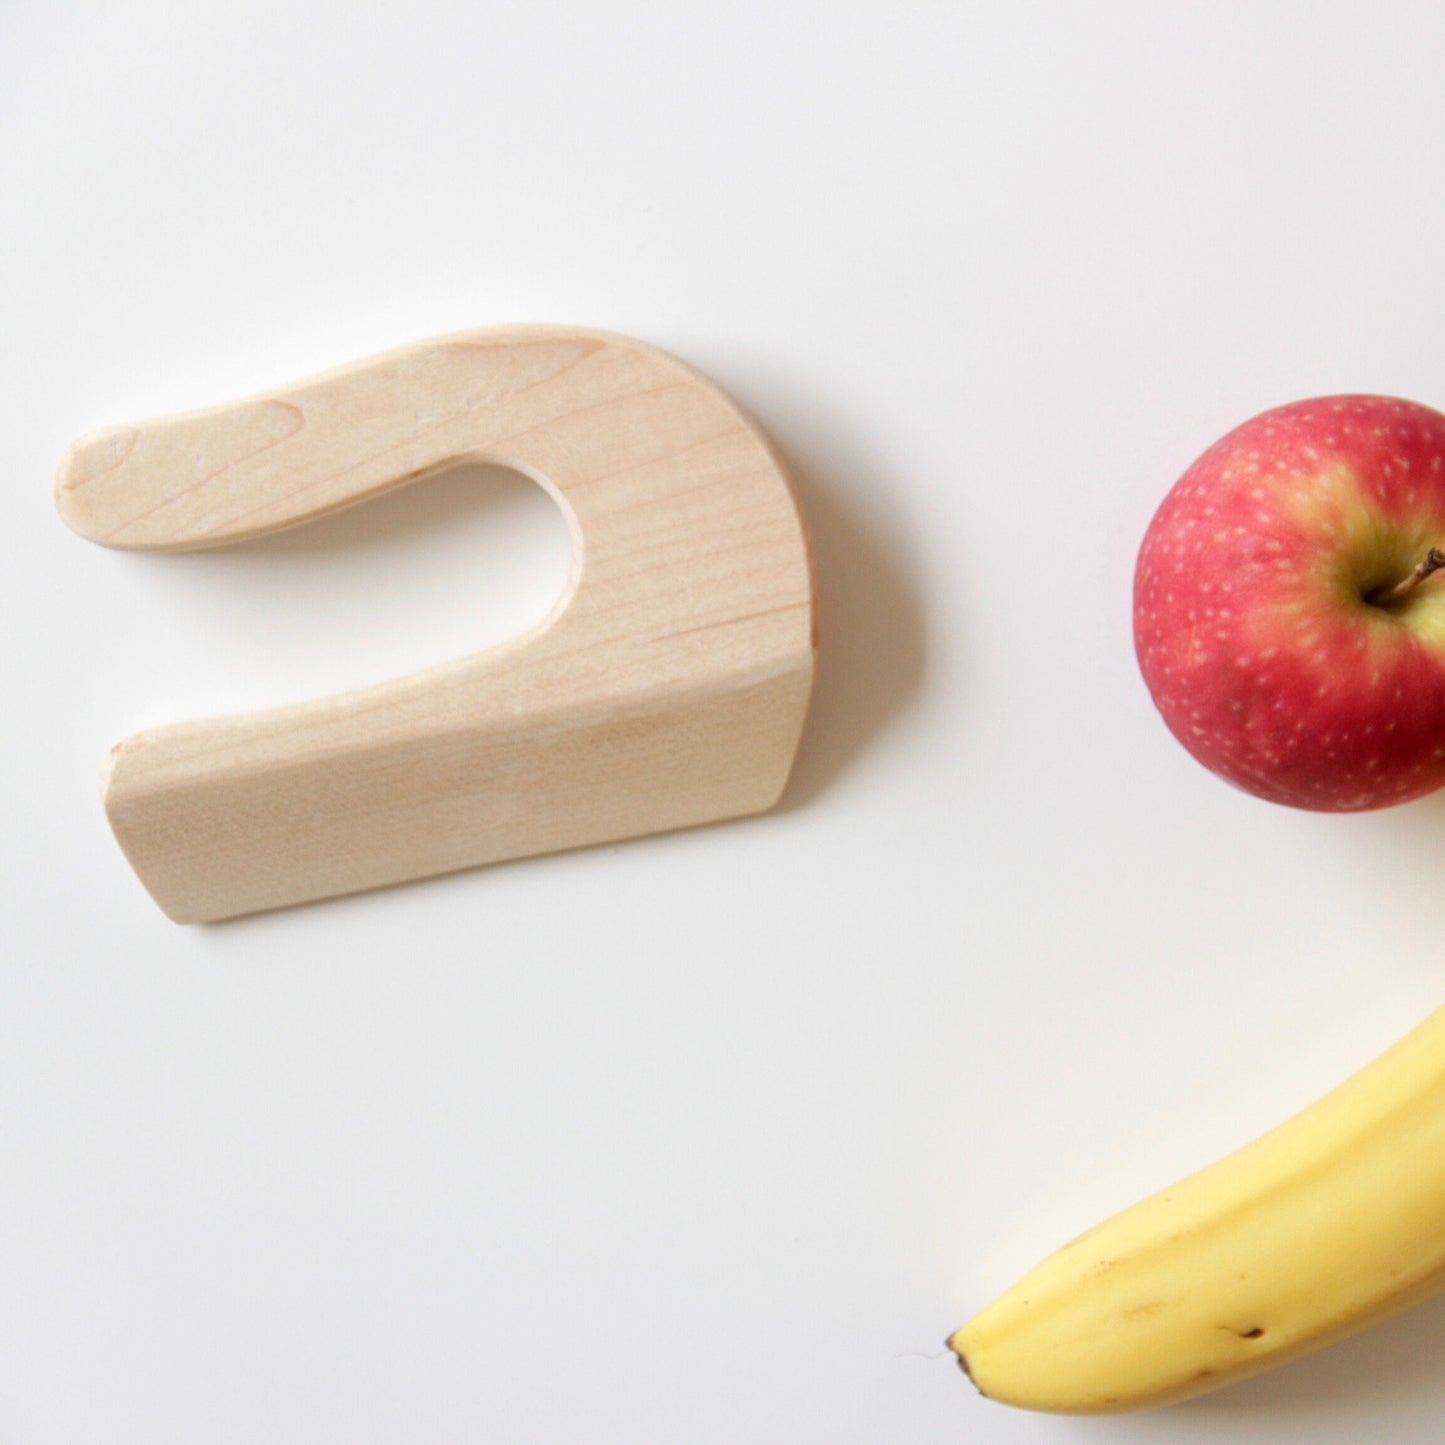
[[1433, 560]]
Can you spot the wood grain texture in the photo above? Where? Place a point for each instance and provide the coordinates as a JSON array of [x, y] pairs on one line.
[[668, 686]]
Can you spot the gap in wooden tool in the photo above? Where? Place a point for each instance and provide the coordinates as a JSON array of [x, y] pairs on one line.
[[431, 571]]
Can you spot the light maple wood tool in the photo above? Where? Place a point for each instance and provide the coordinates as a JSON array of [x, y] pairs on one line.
[[666, 688]]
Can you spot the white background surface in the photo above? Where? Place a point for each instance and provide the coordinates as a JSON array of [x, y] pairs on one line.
[[708, 1138]]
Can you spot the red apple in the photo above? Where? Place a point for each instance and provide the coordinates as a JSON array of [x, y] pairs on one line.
[[1287, 617]]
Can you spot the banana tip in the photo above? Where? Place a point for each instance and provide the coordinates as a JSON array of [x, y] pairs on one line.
[[951, 1343]]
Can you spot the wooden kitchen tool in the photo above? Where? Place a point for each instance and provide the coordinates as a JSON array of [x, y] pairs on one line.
[[666, 688]]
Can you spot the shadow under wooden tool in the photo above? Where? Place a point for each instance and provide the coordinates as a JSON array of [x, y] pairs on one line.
[[871, 635]]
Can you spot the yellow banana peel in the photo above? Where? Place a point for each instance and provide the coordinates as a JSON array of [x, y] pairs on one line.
[[1321, 1228]]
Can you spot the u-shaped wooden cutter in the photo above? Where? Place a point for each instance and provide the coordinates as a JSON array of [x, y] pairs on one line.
[[668, 686]]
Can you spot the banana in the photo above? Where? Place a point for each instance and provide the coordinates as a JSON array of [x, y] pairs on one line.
[[1328, 1224]]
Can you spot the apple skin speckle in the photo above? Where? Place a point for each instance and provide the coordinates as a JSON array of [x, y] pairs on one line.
[[1277, 623]]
